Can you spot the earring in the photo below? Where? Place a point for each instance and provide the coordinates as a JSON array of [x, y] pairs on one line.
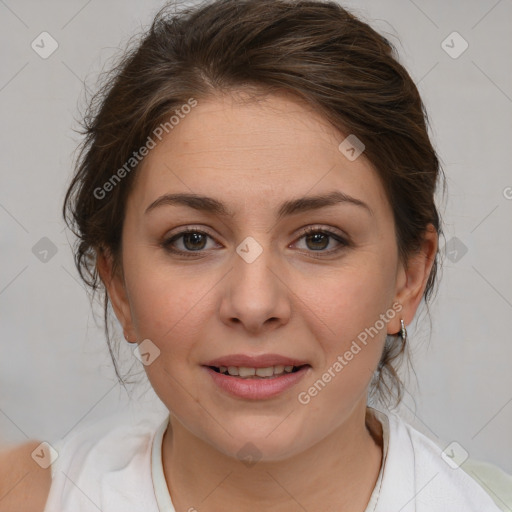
[[403, 331]]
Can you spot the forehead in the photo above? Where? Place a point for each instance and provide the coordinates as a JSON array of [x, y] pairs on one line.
[[247, 150]]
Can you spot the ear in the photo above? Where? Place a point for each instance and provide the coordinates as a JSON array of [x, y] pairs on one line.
[[116, 288], [412, 278]]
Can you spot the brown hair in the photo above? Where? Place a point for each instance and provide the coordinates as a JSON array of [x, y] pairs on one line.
[[316, 50]]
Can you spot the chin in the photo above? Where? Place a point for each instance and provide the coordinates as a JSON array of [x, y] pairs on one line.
[[264, 443]]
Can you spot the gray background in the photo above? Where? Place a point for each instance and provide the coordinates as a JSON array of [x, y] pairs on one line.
[[55, 371]]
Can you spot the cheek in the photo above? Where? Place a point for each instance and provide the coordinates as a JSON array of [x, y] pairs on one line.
[[163, 300], [351, 299], [349, 315], [167, 307], [351, 335]]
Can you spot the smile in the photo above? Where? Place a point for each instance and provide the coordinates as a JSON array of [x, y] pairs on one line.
[[244, 372], [258, 377]]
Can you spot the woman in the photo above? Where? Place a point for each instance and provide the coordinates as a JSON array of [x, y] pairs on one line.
[[255, 194]]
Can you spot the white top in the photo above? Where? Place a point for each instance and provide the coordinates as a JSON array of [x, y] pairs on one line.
[[116, 467]]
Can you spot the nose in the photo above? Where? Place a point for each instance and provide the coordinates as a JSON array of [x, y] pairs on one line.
[[256, 297]]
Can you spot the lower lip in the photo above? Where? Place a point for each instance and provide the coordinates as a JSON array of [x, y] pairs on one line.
[[256, 389]]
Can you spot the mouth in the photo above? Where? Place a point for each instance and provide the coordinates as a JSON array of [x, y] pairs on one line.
[[256, 377], [267, 372]]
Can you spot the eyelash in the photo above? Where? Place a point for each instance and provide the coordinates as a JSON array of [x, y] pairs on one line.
[[167, 244]]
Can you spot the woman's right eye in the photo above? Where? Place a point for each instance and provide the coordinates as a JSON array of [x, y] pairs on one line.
[[191, 241]]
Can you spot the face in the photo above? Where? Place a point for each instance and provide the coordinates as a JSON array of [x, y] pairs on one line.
[[251, 287]]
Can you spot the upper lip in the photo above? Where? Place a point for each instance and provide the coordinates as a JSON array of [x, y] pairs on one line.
[[259, 361]]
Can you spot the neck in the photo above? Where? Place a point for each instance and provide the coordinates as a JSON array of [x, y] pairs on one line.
[[338, 473]]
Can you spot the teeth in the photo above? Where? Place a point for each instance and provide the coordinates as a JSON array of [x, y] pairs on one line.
[[265, 372], [246, 372]]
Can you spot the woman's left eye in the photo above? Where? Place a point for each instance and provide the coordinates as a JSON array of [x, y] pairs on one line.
[[319, 239], [194, 241]]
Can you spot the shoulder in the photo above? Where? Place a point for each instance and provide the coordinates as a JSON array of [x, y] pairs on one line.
[[24, 484], [493, 479], [111, 439], [432, 476], [106, 461]]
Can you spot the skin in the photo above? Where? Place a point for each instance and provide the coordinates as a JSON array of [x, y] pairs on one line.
[[253, 155], [24, 485]]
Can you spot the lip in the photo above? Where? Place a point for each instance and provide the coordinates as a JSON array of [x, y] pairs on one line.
[[256, 361], [256, 389]]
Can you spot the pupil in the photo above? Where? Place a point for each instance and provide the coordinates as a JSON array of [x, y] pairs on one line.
[[315, 236], [193, 237]]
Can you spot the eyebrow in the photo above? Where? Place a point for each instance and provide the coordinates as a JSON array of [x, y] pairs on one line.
[[290, 207]]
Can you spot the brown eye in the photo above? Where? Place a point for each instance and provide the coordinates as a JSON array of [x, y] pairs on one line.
[[187, 242], [319, 240], [194, 241]]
